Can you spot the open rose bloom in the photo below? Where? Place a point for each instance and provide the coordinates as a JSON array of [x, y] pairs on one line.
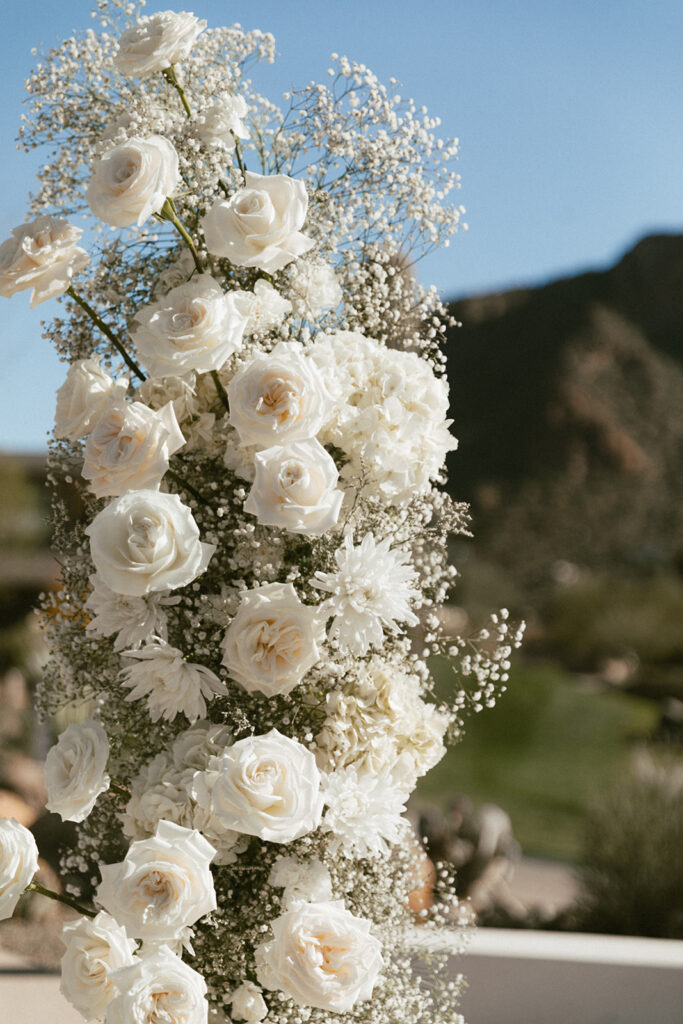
[[249, 453], [43, 256]]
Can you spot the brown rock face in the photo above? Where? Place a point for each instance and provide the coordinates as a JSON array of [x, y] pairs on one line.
[[568, 402]]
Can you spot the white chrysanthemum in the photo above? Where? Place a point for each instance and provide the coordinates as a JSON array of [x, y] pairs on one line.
[[221, 123], [306, 881], [133, 620], [371, 590], [171, 685], [364, 812], [390, 414]]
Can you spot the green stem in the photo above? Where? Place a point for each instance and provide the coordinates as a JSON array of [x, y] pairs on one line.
[[238, 157], [172, 79], [168, 212], [35, 887], [107, 331], [222, 393]]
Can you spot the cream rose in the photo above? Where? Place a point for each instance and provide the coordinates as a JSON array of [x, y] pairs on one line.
[[222, 122], [95, 947], [273, 640], [41, 255], [75, 770], [129, 448], [320, 955], [266, 786], [248, 1003], [278, 398], [163, 885], [314, 288], [195, 327], [146, 541], [133, 180], [158, 988], [295, 488], [18, 863], [156, 42], [260, 225], [83, 397]]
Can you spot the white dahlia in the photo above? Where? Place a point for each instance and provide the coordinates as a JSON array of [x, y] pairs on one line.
[[371, 590]]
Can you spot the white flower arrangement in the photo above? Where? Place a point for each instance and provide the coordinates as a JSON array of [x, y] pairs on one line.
[[256, 412]]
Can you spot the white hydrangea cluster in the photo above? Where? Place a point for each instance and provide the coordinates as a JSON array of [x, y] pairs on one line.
[[390, 414], [256, 417]]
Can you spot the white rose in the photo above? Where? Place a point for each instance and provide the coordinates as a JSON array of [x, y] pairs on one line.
[[260, 225], [195, 327], [18, 863], [158, 988], [146, 541], [94, 948], [273, 640], [278, 398], [83, 396], [156, 42], [129, 448], [295, 488], [75, 770], [222, 121], [264, 308], [314, 288], [266, 786], [163, 885], [133, 180], [320, 955], [248, 1003], [171, 684], [41, 255]]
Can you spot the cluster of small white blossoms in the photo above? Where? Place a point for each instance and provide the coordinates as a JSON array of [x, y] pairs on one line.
[[255, 420]]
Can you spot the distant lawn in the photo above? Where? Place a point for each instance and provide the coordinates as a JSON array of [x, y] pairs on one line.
[[541, 754]]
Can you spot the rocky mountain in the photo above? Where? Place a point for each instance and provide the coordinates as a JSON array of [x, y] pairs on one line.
[[568, 403]]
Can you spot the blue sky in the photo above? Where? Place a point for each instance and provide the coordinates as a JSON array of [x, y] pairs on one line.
[[568, 116]]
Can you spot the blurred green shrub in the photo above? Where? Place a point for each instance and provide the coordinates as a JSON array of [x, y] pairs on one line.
[[632, 869]]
